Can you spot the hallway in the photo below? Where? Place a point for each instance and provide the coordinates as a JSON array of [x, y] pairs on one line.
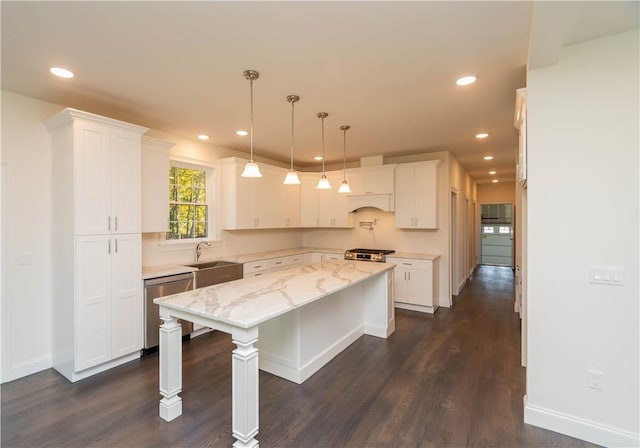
[[449, 380]]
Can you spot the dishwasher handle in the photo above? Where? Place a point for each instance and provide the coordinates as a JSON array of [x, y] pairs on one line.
[[168, 279]]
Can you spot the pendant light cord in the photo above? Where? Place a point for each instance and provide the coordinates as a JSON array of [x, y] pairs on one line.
[[323, 146], [344, 155], [251, 90], [292, 123]]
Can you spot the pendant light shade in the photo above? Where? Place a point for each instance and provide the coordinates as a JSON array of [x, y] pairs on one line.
[[344, 186], [292, 177], [251, 169], [323, 183]]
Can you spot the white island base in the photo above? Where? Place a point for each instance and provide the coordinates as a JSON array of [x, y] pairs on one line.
[[305, 316], [296, 345]]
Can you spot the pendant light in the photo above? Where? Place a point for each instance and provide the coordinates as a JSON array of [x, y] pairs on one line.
[[251, 169], [323, 183], [292, 177], [344, 186]]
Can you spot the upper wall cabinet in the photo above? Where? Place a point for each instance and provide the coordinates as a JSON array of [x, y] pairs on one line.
[[520, 122], [372, 186], [155, 184], [417, 195], [105, 161], [324, 208], [256, 203]]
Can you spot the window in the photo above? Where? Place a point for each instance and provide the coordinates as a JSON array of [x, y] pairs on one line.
[[487, 229], [188, 208], [504, 229]]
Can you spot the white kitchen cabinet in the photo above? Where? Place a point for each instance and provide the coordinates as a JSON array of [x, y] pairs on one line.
[[371, 186], [106, 175], [97, 297], [256, 268], [378, 179], [417, 195], [324, 208], [256, 203], [415, 284], [155, 184], [309, 207], [108, 317]]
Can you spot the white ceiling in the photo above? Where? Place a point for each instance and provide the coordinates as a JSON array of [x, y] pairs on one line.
[[387, 69]]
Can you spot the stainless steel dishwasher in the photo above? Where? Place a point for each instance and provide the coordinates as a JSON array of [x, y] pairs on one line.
[[161, 287]]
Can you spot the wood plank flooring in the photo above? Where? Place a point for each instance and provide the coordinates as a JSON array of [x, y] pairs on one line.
[[449, 380]]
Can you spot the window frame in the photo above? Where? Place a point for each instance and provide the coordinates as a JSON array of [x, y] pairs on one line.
[[212, 203]]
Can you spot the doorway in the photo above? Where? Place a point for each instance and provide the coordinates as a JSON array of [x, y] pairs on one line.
[[496, 234]]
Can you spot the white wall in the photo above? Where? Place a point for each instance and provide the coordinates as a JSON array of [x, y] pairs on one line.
[[26, 215], [582, 211]]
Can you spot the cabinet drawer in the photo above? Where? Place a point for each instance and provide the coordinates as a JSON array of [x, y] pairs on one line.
[[410, 263], [256, 266]]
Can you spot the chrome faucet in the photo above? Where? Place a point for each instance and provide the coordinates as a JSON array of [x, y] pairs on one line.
[[199, 248]]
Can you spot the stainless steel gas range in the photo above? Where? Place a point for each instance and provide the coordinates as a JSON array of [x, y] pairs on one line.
[[360, 254]]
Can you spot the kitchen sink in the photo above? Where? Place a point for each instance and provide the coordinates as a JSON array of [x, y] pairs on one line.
[[214, 272], [212, 264]]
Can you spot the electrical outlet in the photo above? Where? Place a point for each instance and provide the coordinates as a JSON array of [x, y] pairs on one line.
[[595, 380]]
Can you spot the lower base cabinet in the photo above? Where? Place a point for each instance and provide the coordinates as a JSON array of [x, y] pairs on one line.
[[106, 308], [415, 284]]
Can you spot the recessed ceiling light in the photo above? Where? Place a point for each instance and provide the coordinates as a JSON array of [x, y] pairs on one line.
[[317, 158], [488, 157], [466, 80], [61, 72], [242, 133], [495, 181], [482, 135], [492, 172], [203, 137]]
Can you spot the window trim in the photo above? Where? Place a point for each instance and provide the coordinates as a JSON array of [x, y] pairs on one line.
[[212, 203]]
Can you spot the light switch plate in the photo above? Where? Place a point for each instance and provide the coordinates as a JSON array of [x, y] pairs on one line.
[[607, 275]]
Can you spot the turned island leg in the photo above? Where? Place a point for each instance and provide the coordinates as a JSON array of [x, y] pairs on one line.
[[170, 367], [245, 387]]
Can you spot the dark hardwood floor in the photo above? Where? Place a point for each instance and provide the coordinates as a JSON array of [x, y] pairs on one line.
[[449, 380]]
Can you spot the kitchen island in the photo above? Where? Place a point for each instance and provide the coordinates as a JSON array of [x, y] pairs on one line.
[[306, 314]]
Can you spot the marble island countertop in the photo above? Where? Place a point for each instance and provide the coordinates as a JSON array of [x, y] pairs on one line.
[[251, 301]]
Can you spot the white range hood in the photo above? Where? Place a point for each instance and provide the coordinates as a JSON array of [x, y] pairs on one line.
[[382, 201]]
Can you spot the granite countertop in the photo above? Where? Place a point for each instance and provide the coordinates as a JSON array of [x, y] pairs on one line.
[[250, 301], [413, 255]]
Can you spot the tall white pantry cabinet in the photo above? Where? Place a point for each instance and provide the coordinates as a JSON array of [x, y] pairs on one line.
[[97, 291]]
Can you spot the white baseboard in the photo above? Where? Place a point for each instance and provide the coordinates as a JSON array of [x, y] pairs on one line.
[[275, 365], [579, 428], [412, 307], [27, 368]]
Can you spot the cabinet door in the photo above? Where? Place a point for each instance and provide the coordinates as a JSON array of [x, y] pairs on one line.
[[400, 285], [340, 203], [378, 179], [92, 179], [291, 200], [243, 206], [155, 185], [265, 190], [405, 197], [308, 200], [126, 295], [325, 207], [126, 187], [426, 198], [93, 305], [420, 290]]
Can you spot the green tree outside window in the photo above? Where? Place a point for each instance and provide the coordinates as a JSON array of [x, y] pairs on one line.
[[188, 217]]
